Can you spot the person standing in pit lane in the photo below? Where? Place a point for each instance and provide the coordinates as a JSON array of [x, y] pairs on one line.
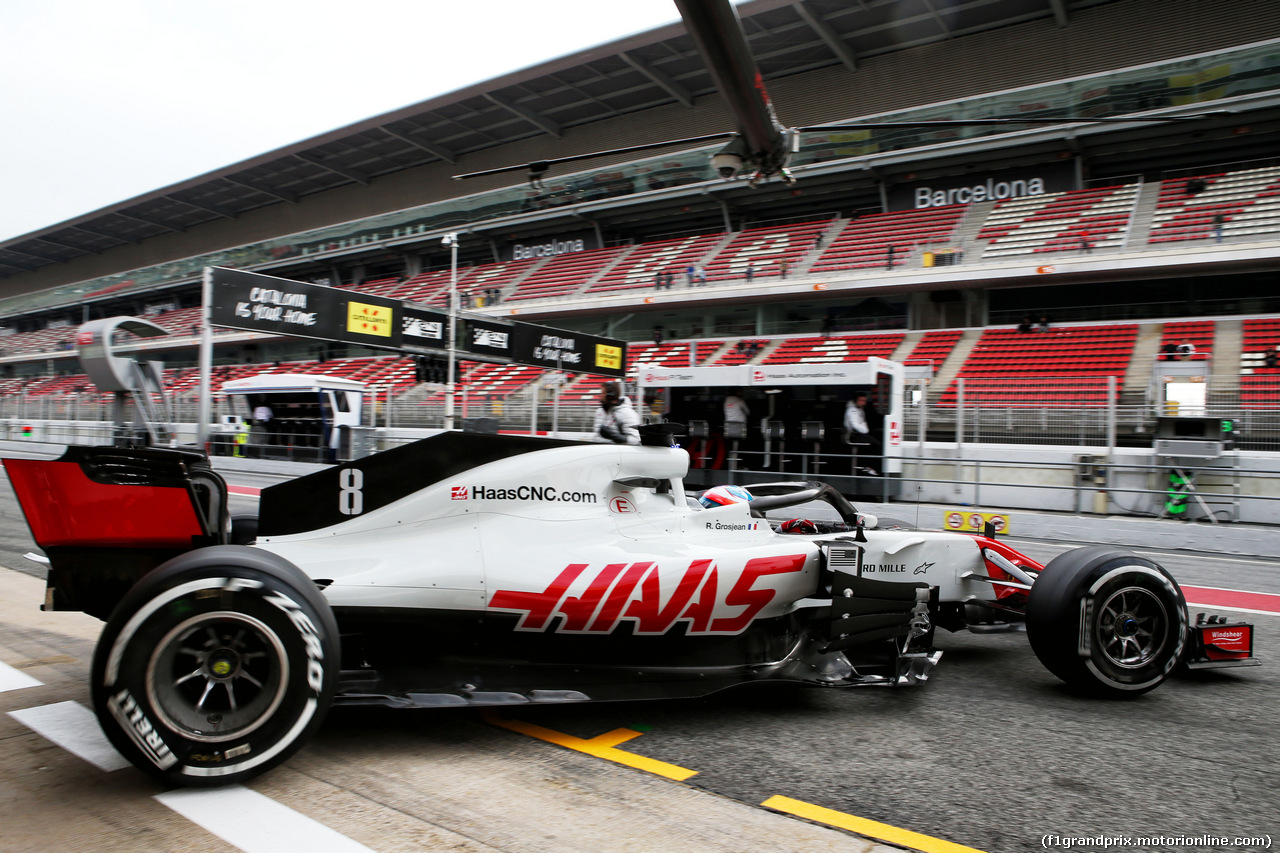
[[735, 408], [616, 420], [858, 434]]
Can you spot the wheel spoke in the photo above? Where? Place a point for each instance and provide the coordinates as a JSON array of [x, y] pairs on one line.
[[195, 673], [231, 695], [208, 688]]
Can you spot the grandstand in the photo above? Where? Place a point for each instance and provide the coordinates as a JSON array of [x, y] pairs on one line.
[[901, 242]]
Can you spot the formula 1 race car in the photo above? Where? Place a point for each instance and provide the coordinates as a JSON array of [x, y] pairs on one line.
[[486, 570]]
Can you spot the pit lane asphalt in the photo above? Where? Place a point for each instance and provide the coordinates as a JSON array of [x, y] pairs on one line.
[[992, 753]]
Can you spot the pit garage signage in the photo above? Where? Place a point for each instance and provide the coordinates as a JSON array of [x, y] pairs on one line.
[[813, 373], [557, 349], [278, 306], [690, 377], [764, 375]]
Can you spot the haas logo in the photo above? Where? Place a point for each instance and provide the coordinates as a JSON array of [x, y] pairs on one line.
[[458, 493], [620, 591], [757, 376]]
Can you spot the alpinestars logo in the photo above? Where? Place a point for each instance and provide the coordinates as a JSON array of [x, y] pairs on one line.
[[620, 591]]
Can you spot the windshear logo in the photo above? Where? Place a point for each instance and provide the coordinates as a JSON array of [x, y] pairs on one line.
[[458, 493]]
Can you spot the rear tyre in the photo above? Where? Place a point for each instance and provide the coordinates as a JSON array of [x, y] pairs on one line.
[[1106, 621], [244, 529], [216, 666]]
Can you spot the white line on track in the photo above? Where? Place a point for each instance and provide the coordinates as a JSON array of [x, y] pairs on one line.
[[73, 727], [255, 823], [1189, 555], [14, 679], [1191, 605], [1215, 557]]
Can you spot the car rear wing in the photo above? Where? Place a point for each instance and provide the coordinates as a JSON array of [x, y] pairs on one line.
[[105, 516]]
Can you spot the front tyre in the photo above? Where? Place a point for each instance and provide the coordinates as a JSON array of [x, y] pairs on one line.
[[1106, 621], [216, 667]]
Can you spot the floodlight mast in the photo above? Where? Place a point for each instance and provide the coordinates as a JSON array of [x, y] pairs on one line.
[[451, 240]]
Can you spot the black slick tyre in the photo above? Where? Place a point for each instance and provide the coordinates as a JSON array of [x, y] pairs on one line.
[[216, 666], [244, 529], [1106, 621]]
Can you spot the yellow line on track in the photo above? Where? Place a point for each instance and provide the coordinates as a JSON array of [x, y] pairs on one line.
[[605, 746], [869, 828], [602, 746]]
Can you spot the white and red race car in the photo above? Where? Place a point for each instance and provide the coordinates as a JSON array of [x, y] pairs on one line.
[[486, 570]]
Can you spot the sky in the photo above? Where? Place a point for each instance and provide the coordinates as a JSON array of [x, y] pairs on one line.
[[104, 100]]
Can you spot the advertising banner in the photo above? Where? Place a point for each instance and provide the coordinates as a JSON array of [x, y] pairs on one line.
[[424, 331], [278, 306], [486, 337], [543, 346]]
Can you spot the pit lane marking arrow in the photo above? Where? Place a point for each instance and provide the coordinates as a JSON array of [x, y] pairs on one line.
[[602, 746], [863, 826]]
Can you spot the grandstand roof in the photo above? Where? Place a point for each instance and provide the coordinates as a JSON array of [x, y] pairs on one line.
[[651, 69]]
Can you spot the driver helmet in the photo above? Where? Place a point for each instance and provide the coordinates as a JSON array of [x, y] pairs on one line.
[[799, 526], [723, 496]]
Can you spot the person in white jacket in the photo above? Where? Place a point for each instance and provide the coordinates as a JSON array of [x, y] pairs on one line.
[[616, 420], [858, 432], [736, 409]]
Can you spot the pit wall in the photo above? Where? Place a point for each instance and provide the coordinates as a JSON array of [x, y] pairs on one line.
[[1239, 486]]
